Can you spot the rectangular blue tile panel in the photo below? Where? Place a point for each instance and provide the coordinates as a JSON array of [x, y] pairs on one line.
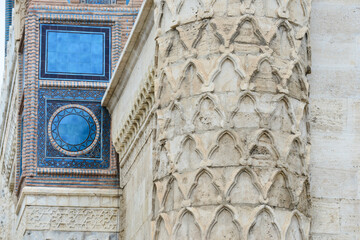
[[50, 155], [75, 52]]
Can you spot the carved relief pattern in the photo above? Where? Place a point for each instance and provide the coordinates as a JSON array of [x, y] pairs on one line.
[[232, 131], [137, 117], [71, 219]]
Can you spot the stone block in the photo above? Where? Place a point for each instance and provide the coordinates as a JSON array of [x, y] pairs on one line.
[[325, 217], [333, 183], [350, 216], [325, 118]]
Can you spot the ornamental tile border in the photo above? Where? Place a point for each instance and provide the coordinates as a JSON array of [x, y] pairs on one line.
[[120, 20]]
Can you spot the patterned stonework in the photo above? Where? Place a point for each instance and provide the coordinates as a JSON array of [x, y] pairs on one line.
[[71, 219], [233, 135]]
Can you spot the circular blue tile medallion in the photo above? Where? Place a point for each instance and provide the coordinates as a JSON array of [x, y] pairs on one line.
[[73, 130]]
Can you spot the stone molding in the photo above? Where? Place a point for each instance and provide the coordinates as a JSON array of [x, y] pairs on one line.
[[36, 193], [142, 108], [71, 219], [68, 209], [141, 138]]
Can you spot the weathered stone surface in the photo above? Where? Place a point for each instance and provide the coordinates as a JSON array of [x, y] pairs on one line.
[[211, 118], [232, 120], [334, 117]]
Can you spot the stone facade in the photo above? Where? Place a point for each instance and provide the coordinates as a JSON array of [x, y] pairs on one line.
[[231, 119], [334, 120], [231, 142], [60, 58]]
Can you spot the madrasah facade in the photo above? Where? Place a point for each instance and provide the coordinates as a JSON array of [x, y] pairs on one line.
[[180, 119]]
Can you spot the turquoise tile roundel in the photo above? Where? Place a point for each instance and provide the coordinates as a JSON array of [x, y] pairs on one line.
[[73, 129]]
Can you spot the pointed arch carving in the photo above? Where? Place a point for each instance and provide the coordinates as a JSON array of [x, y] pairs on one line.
[[175, 122], [166, 89], [163, 162], [294, 230], [191, 80], [204, 191], [246, 113], [304, 50], [226, 152], [248, 32], [162, 228], [279, 194], [173, 196], [282, 118], [229, 74], [296, 83], [304, 125], [264, 150], [187, 227], [282, 41], [208, 114], [265, 78], [295, 158], [224, 225], [245, 188], [166, 16], [173, 46], [190, 156], [264, 226], [304, 198]]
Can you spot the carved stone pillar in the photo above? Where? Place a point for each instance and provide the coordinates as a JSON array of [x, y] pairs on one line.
[[233, 138]]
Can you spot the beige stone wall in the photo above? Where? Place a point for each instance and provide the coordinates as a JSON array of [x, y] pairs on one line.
[[8, 140], [136, 204], [130, 102], [335, 119]]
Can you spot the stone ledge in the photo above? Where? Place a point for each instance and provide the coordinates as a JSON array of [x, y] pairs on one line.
[[62, 193], [68, 209]]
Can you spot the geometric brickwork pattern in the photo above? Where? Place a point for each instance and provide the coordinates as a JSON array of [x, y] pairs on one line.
[[233, 137], [87, 145], [69, 53]]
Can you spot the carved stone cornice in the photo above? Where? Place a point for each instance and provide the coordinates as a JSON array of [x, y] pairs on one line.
[[142, 108]]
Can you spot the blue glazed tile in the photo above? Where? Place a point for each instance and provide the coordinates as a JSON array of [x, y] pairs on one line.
[[81, 52], [72, 129]]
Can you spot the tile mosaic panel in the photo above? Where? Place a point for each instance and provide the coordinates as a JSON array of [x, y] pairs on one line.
[[74, 130], [74, 52]]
